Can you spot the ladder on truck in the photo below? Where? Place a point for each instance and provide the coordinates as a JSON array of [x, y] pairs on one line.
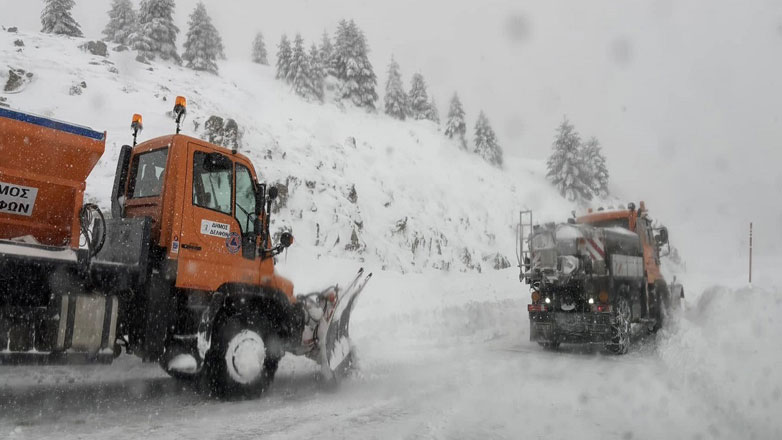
[[522, 241]]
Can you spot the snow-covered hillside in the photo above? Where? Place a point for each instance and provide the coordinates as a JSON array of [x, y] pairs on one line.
[[398, 195]]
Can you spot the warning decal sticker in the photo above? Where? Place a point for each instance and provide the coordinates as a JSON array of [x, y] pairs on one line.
[[17, 199], [215, 229]]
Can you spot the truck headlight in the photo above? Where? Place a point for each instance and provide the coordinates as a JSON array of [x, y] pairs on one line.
[[569, 264]]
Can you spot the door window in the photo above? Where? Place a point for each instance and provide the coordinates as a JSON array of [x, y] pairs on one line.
[[245, 200], [211, 186], [147, 174]]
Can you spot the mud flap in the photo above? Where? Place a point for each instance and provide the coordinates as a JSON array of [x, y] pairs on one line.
[[333, 330]]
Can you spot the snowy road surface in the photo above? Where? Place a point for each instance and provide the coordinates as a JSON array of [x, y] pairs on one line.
[[452, 363]]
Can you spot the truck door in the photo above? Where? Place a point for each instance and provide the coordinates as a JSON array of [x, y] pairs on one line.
[[212, 251]]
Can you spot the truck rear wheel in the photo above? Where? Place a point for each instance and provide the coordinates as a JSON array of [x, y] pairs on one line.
[[240, 363], [620, 341]]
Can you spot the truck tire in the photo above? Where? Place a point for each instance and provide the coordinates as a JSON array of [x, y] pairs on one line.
[[240, 364], [620, 341]]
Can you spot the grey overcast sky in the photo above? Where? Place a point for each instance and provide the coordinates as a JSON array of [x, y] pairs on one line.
[[684, 95]]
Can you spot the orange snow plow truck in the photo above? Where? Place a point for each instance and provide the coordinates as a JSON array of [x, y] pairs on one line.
[[181, 273]]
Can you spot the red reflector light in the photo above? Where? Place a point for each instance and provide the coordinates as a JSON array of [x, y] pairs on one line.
[[536, 307], [603, 307]]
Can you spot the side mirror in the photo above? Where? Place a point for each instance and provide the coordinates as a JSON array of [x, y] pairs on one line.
[[662, 236], [286, 239], [273, 192]]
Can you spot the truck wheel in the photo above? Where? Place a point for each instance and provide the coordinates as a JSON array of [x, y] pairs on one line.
[[620, 342], [239, 363]]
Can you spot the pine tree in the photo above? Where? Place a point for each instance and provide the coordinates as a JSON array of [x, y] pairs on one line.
[[432, 113], [56, 18], [298, 72], [340, 48], [214, 130], [326, 50], [396, 98], [157, 32], [283, 58], [455, 126], [350, 65], [122, 22], [486, 144], [232, 136], [203, 45], [418, 98], [566, 169], [259, 54], [596, 164], [317, 73]]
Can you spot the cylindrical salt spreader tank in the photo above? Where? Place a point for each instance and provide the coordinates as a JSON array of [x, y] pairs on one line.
[[44, 164], [622, 241]]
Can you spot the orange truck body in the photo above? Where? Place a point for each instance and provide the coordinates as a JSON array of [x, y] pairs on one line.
[[205, 261], [42, 177], [181, 273]]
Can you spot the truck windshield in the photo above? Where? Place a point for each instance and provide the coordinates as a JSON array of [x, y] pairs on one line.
[[147, 174]]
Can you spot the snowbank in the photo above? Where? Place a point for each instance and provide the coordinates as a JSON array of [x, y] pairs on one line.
[[727, 348]]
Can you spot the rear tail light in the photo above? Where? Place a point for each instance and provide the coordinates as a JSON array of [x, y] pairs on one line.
[[602, 308], [536, 308]]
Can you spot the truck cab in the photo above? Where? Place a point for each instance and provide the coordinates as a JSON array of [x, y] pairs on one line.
[[206, 211]]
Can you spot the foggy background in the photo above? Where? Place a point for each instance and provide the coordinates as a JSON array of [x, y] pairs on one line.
[[684, 95]]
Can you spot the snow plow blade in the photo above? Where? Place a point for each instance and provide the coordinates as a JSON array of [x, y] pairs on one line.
[[333, 330]]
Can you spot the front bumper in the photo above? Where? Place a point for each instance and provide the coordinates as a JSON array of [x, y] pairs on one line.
[[572, 327]]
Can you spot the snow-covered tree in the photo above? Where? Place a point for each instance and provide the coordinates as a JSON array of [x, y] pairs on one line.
[[317, 73], [486, 144], [203, 45], [326, 50], [299, 68], [122, 22], [157, 32], [214, 129], [259, 54], [350, 65], [56, 18], [232, 136], [395, 99], [566, 169], [283, 58], [341, 44], [596, 164], [455, 126], [432, 113], [418, 98]]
